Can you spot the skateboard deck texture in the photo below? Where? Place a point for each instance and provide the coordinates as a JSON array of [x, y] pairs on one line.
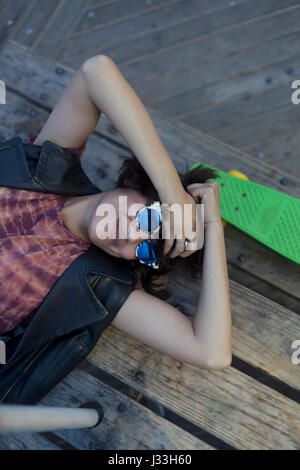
[[271, 217]]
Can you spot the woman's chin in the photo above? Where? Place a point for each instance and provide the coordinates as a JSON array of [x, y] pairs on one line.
[[109, 247]]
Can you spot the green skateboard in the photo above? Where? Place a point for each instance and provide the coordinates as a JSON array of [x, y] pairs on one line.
[[268, 215]]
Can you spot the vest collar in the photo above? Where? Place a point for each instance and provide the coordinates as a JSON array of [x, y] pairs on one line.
[[100, 262]]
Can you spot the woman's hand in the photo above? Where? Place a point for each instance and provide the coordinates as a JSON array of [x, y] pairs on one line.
[[209, 194], [174, 226]]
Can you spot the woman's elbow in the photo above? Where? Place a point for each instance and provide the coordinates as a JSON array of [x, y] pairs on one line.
[[219, 363], [93, 63]]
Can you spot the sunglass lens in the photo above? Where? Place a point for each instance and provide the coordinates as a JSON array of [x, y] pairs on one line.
[[147, 252], [149, 220]]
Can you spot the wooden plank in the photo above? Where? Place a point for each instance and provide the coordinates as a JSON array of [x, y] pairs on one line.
[[11, 18], [184, 144], [111, 27], [3, 4], [47, 84], [248, 254], [177, 70], [160, 30], [229, 404], [218, 33], [107, 12], [126, 423], [263, 288], [55, 30], [92, 3], [238, 87], [268, 133], [277, 361], [280, 149], [271, 134], [288, 113], [111, 12], [265, 125], [244, 107], [26, 441], [263, 331], [35, 21]]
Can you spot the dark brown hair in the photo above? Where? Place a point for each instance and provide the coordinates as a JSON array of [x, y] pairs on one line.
[[132, 175]]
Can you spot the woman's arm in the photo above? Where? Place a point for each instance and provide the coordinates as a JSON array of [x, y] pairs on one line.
[[98, 86], [205, 341], [73, 118], [212, 322], [161, 326], [112, 94]]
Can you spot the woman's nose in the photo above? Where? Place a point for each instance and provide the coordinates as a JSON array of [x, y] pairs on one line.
[[135, 233]]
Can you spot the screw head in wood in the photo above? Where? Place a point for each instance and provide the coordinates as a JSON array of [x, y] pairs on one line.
[[139, 376], [121, 408], [283, 181]]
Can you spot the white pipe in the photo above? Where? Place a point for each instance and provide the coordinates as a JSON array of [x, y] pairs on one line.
[[20, 418]]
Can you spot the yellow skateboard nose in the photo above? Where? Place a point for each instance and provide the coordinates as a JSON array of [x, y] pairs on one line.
[[238, 174]]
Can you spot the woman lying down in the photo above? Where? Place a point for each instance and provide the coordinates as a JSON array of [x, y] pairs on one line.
[[42, 234]]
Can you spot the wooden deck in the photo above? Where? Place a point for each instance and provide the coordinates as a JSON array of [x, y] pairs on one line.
[[254, 404], [223, 67]]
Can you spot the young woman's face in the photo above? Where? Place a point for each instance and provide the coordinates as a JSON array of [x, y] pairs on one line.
[[113, 227]]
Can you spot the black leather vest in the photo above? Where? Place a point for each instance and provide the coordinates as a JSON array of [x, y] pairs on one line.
[[82, 302]]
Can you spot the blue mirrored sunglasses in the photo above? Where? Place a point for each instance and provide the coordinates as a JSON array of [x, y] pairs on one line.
[[149, 220]]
